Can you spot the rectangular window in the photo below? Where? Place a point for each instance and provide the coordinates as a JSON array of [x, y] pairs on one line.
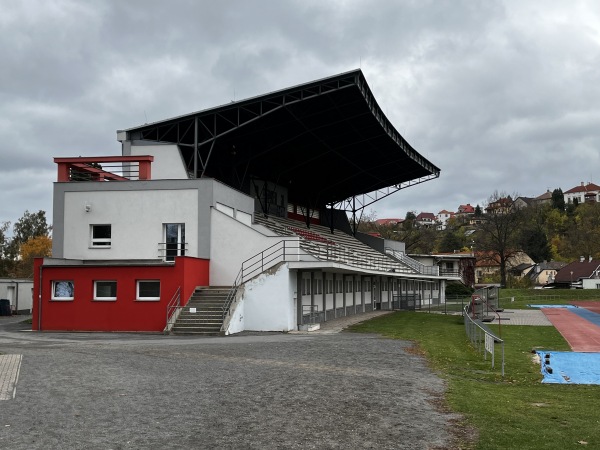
[[63, 290], [319, 286], [367, 286], [340, 285], [306, 287], [329, 286], [174, 240], [105, 290], [349, 286], [357, 286], [148, 290], [101, 235]]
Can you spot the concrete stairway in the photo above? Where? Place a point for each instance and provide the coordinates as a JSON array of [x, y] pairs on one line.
[[208, 318]]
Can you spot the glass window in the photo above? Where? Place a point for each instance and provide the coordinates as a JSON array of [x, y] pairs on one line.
[[174, 240], [101, 235], [63, 290], [105, 290], [148, 290]]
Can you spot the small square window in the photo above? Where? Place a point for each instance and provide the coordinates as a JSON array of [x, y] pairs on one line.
[[105, 290], [148, 290], [101, 236], [63, 290]]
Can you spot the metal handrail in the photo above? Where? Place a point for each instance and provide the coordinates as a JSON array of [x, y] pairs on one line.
[[412, 263], [172, 307], [282, 250], [479, 334]]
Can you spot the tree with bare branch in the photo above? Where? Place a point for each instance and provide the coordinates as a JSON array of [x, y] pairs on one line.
[[499, 229]]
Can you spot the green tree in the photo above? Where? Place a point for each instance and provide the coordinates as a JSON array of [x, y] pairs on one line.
[[6, 258], [582, 237], [558, 199], [451, 240]]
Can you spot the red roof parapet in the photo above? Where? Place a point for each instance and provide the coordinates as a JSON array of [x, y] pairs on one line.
[[94, 168]]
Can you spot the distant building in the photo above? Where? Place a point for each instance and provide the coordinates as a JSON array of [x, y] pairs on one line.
[[501, 206], [581, 274], [442, 219], [589, 192], [384, 222], [545, 272], [426, 220], [546, 197]]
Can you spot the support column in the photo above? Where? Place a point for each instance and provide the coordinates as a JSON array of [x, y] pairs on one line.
[[390, 289], [344, 289], [354, 293], [345, 305], [324, 278], [334, 288], [362, 292], [299, 298], [312, 291]]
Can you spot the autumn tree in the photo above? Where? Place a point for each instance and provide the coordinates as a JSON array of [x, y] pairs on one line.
[[38, 246], [498, 230]]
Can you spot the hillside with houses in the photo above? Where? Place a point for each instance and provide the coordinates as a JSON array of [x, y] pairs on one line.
[[551, 240]]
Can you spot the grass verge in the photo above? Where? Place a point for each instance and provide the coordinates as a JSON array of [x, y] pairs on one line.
[[514, 412]]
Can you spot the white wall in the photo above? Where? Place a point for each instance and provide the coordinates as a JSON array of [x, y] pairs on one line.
[[167, 165], [232, 242], [237, 323], [269, 301], [136, 219], [19, 292]]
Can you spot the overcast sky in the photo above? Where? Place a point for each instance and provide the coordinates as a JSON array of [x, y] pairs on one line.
[[500, 95]]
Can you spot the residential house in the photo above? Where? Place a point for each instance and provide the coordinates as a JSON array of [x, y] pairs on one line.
[[488, 264], [501, 206], [389, 222], [546, 197], [581, 274], [442, 219], [545, 272], [426, 220], [523, 202], [589, 192]]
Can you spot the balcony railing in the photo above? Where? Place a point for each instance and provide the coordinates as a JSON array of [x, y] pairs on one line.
[[104, 168]]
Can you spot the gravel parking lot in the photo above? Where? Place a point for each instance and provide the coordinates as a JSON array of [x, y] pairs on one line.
[[251, 391]]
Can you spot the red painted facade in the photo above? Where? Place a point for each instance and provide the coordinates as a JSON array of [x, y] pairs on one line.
[[83, 313]]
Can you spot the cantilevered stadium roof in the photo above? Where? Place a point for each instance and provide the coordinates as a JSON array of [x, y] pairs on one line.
[[327, 141]]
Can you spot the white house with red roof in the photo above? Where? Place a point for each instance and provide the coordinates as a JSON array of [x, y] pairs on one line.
[[426, 219], [442, 218], [589, 192]]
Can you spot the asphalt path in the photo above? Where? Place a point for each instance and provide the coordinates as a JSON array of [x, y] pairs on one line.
[[250, 391]]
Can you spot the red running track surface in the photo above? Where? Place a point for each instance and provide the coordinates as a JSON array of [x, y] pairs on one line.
[[581, 334]]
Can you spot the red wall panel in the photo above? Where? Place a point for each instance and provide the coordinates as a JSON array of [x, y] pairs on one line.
[[126, 313]]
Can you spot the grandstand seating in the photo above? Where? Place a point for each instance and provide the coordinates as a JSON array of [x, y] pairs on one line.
[[339, 246]]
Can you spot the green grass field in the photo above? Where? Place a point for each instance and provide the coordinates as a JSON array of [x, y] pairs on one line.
[[516, 411]]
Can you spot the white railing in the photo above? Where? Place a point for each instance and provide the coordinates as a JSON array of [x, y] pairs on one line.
[[413, 264]]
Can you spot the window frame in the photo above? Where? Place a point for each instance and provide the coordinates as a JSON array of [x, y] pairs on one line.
[[146, 299], [62, 299], [104, 299], [100, 242]]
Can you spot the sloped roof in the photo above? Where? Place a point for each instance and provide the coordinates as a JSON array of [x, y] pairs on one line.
[[590, 187], [580, 269], [426, 215], [545, 196], [326, 141]]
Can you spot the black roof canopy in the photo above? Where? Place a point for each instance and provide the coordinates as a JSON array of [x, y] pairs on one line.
[[327, 141]]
